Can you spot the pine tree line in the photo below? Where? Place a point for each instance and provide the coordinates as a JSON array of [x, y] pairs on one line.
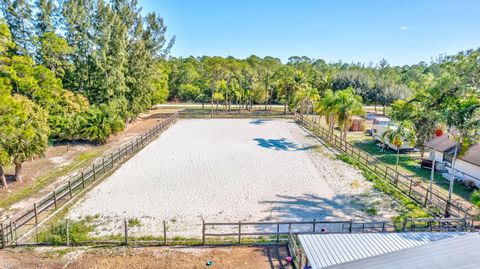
[[75, 69]]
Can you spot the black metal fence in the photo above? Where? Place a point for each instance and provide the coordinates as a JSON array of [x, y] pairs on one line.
[[435, 201], [26, 222]]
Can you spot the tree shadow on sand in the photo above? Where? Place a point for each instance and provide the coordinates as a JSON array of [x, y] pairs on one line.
[[308, 207], [279, 144], [259, 121]]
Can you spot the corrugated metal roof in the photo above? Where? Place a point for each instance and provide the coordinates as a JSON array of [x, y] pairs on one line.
[[459, 253], [325, 250]]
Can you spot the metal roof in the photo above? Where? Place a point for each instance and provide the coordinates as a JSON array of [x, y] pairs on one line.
[[324, 250], [459, 253]]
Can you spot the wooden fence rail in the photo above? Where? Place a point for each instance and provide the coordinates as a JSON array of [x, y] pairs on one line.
[[436, 202], [22, 221]]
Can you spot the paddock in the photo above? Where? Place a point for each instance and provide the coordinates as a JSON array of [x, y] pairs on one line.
[[230, 170]]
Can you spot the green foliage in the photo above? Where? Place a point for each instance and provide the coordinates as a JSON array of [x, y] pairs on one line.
[[98, 123], [78, 231], [134, 222], [410, 209], [475, 198]]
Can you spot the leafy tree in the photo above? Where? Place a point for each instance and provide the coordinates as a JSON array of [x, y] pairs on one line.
[[397, 136], [98, 123], [18, 15], [30, 135], [347, 104]]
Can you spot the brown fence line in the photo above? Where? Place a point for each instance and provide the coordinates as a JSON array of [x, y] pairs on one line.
[[406, 185], [8, 230], [275, 235]]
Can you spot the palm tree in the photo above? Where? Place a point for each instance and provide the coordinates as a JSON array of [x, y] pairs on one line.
[[346, 105], [326, 108], [404, 132], [306, 98]]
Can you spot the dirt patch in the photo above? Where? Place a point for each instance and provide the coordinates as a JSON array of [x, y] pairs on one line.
[[153, 257]]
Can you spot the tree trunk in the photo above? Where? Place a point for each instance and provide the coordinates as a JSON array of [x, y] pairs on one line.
[[203, 104], [432, 175], [3, 178], [452, 178], [211, 102], [375, 108], [18, 172], [398, 157], [383, 110]]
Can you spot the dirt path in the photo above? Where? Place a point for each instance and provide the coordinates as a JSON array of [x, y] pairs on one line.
[[153, 257], [63, 161]]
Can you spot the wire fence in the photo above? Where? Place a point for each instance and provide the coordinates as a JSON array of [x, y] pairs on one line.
[[26, 222], [436, 202]]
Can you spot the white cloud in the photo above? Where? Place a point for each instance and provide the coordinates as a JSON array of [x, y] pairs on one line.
[[404, 28]]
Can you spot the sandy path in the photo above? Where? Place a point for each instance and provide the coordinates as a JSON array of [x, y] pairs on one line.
[[225, 170]]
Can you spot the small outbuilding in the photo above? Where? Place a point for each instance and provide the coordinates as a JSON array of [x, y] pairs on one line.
[[357, 125], [467, 166]]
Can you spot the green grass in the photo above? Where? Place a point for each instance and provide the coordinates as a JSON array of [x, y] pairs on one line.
[[409, 209], [409, 165], [78, 231], [44, 180], [134, 222]]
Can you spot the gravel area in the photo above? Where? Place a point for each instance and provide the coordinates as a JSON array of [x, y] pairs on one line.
[[230, 170]]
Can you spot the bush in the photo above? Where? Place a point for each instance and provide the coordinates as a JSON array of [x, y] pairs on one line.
[[77, 232], [475, 198], [411, 209]]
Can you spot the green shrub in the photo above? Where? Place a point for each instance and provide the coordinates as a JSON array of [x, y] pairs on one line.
[[410, 208], [134, 222], [475, 198], [78, 231]]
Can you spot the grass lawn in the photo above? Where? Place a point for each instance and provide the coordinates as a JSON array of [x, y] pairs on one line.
[[409, 165]]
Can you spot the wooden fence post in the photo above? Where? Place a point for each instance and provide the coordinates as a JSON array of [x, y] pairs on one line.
[[83, 180], [278, 233], [36, 220], [164, 233], [410, 188], [93, 170], [67, 236], [3, 235], [103, 165], [15, 231], [125, 224], [55, 198], [11, 231], [314, 222], [350, 226], [111, 157], [70, 188], [203, 232], [239, 232]]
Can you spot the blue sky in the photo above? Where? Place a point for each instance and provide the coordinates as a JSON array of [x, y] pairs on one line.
[[401, 31]]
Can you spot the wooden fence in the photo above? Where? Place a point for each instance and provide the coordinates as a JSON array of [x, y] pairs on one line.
[[24, 223], [435, 202], [277, 232]]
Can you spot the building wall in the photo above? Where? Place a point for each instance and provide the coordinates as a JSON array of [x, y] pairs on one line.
[[464, 170]]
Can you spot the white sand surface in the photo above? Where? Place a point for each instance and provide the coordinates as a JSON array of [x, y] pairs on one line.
[[228, 170]]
